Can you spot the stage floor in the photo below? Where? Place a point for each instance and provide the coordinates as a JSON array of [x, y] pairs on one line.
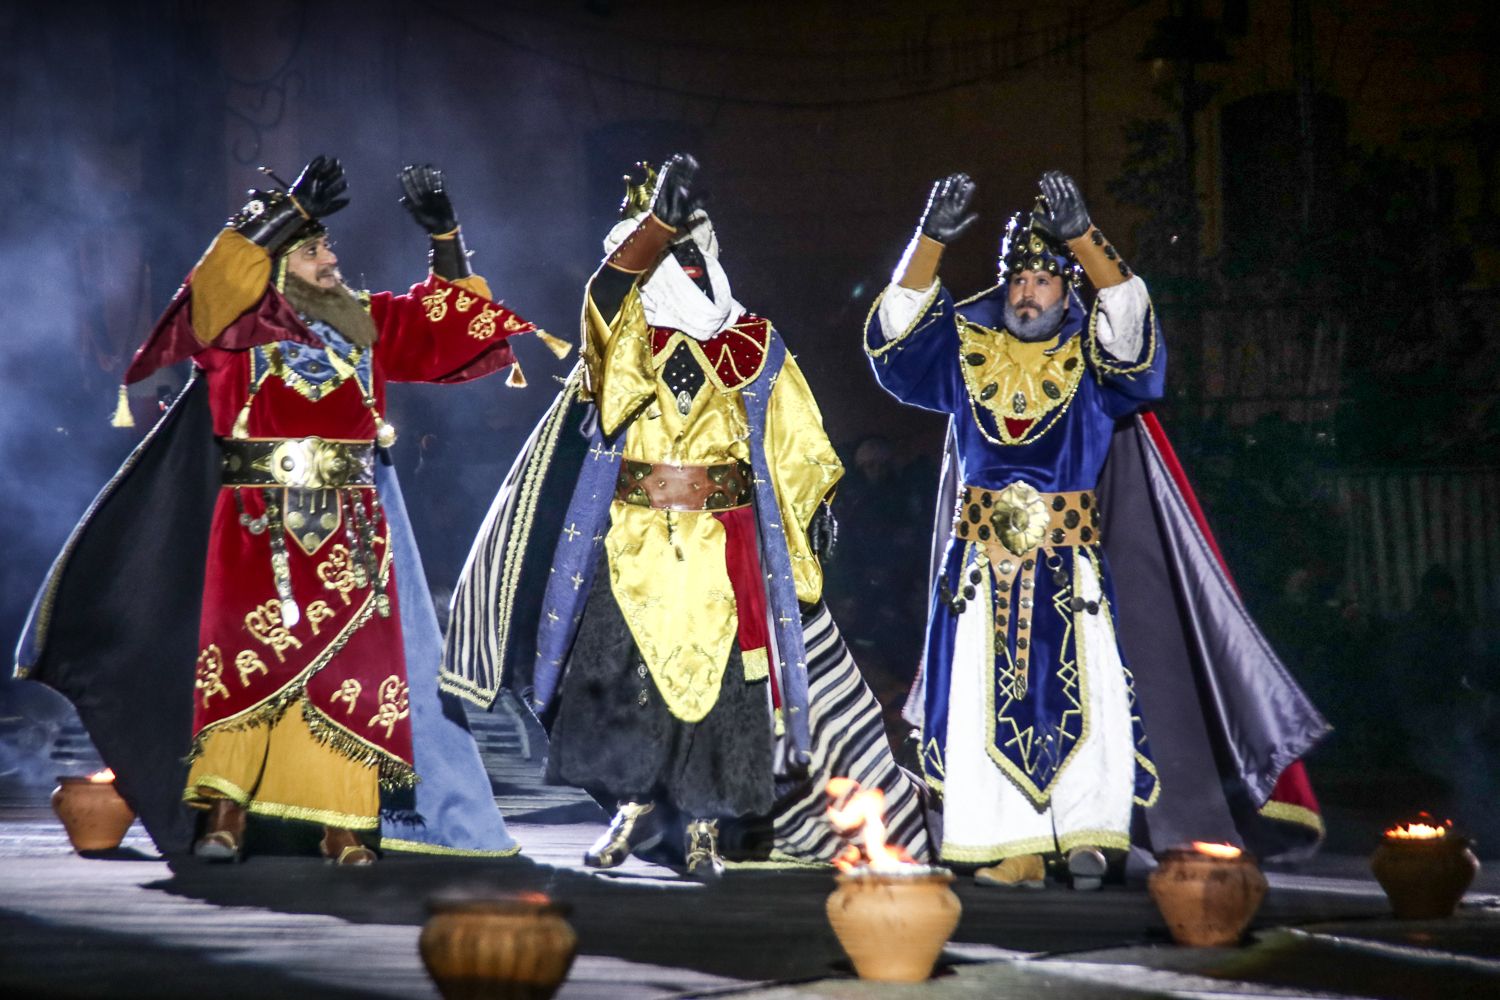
[[135, 925]]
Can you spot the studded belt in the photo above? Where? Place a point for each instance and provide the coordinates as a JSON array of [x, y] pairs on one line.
[[1015, 527], [684, 487], [310, 463]]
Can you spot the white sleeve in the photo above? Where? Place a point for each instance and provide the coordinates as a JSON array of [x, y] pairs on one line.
[[900, 307], [1121, 326]]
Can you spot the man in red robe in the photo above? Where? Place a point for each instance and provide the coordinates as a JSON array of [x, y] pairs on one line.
[[301, 705]]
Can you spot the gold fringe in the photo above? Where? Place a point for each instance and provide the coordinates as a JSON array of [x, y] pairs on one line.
[[122, 417], [517, 378], [559, 347], [394, 772]]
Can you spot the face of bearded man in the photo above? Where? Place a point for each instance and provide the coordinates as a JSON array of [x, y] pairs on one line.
[[1034, 304], [315, 263]]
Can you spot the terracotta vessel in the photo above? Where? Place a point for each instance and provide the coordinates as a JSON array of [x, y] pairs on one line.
[[893, 927], [92, 813], [512, 946], [1206, 901], [1424, 879]]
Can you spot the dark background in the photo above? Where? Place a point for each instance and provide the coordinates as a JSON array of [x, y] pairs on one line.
[[1309, 190]]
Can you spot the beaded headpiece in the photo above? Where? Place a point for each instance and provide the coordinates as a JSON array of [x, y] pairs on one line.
[[1026, 247]]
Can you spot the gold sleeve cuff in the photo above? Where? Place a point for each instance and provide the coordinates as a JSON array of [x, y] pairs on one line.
[[642, 247], [473, 283], [230, 278], [1100, 261], [919, 266]]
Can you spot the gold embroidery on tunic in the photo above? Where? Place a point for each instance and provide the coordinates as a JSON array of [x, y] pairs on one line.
[[247, 663], [210, 673], [482, 326], [465, 302], [513, 323], [1017, 380], [393, 705], [436, 303], [348, 692], [338, 572], [265, 624], [317, 613]]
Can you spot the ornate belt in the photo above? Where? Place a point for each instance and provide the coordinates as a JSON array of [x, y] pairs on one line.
[[684, 487], [1014, 520], [309, 463]]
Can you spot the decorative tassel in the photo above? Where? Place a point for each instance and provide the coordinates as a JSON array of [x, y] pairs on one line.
[[517, 378], [242, 422], [122, 417], [560, 348]]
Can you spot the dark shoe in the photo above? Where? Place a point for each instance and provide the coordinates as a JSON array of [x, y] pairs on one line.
[[703, 860], [634, 828], [223, 833], [1086, 867], [343, 847]]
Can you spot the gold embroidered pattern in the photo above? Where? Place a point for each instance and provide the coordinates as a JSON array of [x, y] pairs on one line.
[[465, 302], [513, 323], [1015, 380], [265, 624], [210, 674], [319, 612], [393, 705], [436, 303], [482, 326], [337, 572], [348, 693], [247, 663]]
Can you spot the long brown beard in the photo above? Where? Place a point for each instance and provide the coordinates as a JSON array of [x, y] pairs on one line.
[[335, 306]]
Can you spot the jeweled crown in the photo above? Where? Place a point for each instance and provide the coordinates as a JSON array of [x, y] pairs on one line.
[[638, 195]]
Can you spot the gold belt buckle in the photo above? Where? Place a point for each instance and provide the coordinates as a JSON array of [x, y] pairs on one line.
[[310, 463], [1020, 517]]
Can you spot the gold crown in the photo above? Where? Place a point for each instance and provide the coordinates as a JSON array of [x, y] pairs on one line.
[[638, 196]]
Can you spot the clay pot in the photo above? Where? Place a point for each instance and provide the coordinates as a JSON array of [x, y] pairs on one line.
[[893, 927], [92, 813], [512, 946], [1206, 901], [1424, 879]]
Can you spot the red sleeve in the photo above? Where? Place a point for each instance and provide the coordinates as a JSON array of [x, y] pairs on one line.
[[442, 332], [272, 318]]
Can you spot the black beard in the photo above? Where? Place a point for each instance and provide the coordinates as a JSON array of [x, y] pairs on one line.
[[336, 306], [1041, 326]]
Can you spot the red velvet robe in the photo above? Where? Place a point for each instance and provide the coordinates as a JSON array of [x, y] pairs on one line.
[[345, 652]]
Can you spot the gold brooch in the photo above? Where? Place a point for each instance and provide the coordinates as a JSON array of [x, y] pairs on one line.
[[1020, 517]]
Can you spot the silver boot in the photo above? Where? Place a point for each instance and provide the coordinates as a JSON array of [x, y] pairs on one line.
[[703, 860], [1087, 866], [634, 828]]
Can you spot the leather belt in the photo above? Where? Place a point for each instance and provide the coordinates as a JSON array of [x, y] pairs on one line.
[[309, 463], [684, 487]]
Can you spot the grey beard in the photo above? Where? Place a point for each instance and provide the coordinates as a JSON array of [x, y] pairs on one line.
[[1039, 327]]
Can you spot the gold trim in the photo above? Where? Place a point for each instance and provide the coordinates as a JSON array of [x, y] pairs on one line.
[[223, 786], [326, 817], [1112, 839], [1286, 812], [1106, 367], [911, 328], [393, 771], [417, 847], [711, 371], [977, 854], [1013, 380]]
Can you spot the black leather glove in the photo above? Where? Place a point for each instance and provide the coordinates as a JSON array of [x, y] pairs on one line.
[[320, 188], [425, 197], [944, 218], [675, 199], [823, 533], [1064, 217]]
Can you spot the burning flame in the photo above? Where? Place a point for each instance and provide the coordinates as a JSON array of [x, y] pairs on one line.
[[1226, 851], [102, 777], [1424, 828], [858, 815]]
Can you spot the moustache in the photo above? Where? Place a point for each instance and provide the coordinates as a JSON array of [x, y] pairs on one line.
[[1027, 304]]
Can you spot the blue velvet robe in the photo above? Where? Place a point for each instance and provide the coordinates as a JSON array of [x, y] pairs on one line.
[[1033, 736]]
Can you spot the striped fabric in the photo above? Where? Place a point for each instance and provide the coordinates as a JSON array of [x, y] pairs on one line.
[[848, 740], [479, 630]]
